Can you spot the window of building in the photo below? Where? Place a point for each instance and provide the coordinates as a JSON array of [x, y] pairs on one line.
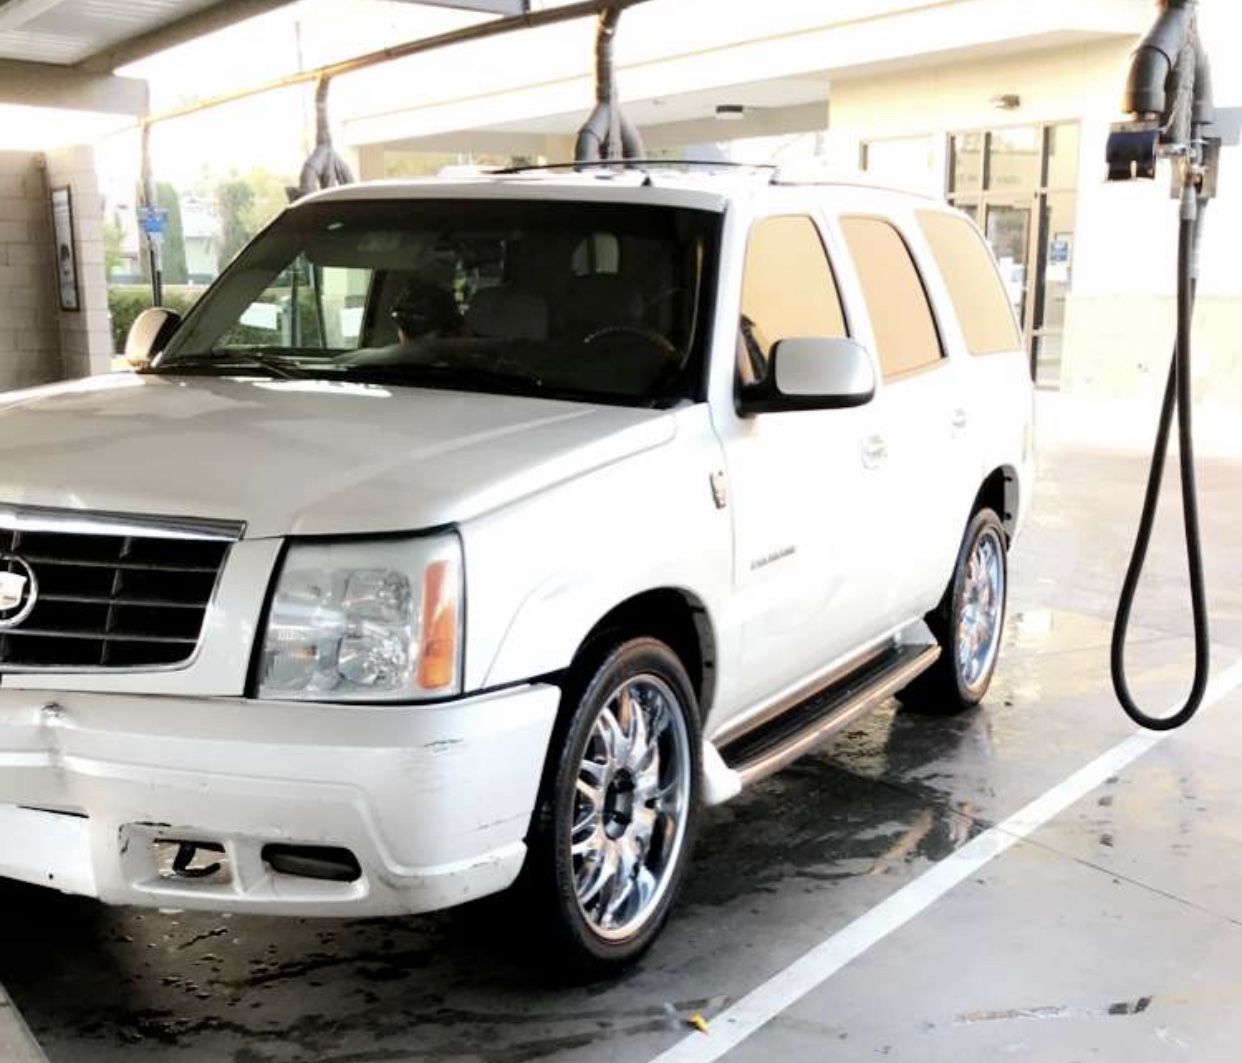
[[980, 300], [967, 167], [1015, 158], [1019, 185], [901, 317], [788, 291]]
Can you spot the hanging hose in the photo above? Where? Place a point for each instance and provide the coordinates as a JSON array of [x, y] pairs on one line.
[[1177, 399], [608, 133], [325, 168], [1170, 94]]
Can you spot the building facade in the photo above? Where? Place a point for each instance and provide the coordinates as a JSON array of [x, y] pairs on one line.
[[1001, 106]]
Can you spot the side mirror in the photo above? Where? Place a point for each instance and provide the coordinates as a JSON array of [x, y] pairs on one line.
[[812, 374], [149, 335]]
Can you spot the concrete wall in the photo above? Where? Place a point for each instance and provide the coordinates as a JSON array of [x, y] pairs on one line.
[[29, 332], [1119, 314]]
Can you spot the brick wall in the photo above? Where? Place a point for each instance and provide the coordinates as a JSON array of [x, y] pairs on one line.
[[38, 342], [29, 325], [85, 337]]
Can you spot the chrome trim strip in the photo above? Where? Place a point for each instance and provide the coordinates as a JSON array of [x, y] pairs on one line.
[[824, 728], [807, 687], [777, 707], [87, 522]]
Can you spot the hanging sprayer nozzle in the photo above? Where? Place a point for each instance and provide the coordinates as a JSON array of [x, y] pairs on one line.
[[1169, 100]]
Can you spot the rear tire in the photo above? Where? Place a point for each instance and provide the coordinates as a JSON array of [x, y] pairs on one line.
[[619, 808], [968, 623]]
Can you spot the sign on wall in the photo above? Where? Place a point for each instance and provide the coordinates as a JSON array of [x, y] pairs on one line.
[[65, 249]]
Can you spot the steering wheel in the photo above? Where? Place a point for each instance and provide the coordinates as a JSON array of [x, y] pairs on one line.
[[650, 335]]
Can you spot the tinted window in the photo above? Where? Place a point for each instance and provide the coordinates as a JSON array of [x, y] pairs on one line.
[[901, 317], [788, 291], [979, 297]]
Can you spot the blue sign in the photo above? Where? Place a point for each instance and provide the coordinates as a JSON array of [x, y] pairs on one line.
[[153, 221]]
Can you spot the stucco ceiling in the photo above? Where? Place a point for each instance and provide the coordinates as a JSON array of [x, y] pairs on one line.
[[72, 32]]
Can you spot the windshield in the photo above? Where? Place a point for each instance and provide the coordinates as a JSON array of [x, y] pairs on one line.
[[593, 301]]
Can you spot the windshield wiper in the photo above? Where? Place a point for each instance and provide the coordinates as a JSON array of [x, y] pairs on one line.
[[277, 365], [504, 375]]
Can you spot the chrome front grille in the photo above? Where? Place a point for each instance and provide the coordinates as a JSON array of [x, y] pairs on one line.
[[109, 592]]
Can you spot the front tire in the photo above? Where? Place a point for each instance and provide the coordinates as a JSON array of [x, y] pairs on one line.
[[617, 818], [968, 623]]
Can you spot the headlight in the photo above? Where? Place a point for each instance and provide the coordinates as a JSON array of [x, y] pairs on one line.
[[365, 620]]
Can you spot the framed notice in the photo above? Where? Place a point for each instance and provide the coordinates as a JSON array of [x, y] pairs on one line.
[[65, 249]]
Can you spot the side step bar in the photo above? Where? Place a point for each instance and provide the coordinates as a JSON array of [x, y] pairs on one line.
[[778, 743]]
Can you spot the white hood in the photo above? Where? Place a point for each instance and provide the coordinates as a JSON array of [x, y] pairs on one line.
[[300, 457]]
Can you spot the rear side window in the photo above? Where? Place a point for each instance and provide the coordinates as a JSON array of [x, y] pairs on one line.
[[978, 295], [901, 317], [788, 291]]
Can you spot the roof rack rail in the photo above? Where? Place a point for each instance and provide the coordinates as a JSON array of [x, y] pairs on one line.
[[639, 164]]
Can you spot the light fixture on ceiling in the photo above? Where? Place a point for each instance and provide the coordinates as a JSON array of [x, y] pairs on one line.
[[1010, 101], [730, 112]]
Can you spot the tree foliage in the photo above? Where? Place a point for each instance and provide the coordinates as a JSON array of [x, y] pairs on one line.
[[173, 251], [247, 204], [114, 241]]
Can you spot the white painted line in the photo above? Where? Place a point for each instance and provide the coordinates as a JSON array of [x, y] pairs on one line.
[[17, 1043], [787, 987]]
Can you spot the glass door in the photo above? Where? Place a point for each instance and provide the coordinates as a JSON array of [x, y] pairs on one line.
[[1007, 225]]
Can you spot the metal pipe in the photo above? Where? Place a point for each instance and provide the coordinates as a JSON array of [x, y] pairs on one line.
[[148, 196]]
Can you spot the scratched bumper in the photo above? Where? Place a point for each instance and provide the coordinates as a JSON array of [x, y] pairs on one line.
[[433, 801]]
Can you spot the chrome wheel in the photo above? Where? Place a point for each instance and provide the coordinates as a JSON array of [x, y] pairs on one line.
[[982, 610], [631, 806]]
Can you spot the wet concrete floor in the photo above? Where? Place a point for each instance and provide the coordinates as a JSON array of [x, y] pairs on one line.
[[1115, 931]]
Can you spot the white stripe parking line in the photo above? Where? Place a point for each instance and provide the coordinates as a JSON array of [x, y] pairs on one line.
[[787, 987], [17, 1043]]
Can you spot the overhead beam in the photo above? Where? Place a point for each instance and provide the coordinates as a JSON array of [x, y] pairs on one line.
[[495, 27], [508, 8], [67, 88], [218, 16], [225, 13]]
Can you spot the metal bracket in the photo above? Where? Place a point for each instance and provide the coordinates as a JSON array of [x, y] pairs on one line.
[[1133, 150]]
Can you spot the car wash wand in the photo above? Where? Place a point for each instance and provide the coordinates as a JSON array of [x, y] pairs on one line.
[[1169, 99]]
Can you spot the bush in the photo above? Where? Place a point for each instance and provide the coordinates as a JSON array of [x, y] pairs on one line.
[[126, 302]]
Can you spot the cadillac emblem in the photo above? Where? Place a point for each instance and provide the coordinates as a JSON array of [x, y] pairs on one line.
[[19, 591]]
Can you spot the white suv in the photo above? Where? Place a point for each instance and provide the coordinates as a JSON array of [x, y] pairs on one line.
[[471, 535]]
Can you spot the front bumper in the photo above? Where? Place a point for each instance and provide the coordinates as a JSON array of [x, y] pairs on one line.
[[433, 801]]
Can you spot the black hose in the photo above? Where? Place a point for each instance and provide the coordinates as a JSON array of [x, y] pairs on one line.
[[1177, 397]]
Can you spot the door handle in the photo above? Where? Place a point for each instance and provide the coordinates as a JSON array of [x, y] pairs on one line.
[[874, 451]]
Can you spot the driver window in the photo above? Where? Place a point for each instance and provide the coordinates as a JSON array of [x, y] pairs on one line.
[[788, 292]]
